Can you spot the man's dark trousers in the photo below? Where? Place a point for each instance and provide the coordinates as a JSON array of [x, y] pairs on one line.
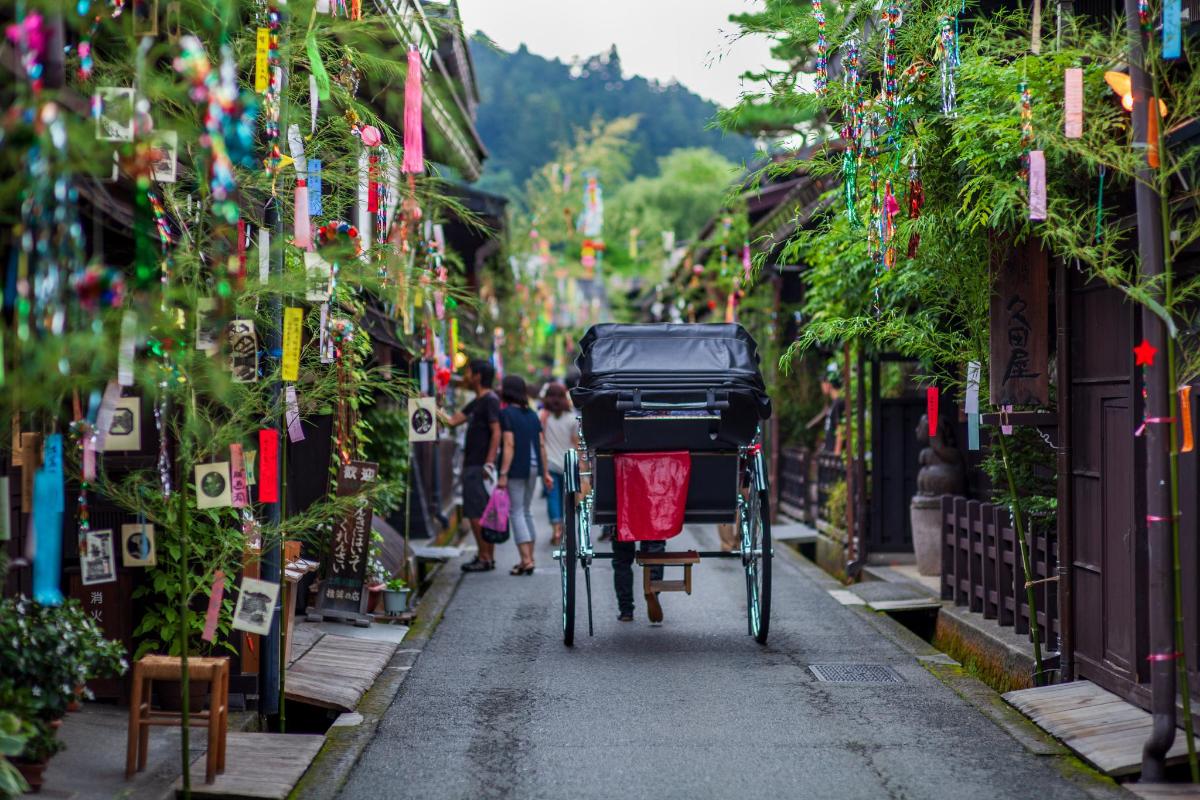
[[623, 555]]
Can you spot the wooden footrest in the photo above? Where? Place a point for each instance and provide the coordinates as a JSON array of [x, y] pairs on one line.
[[676, 559], [670, 586]]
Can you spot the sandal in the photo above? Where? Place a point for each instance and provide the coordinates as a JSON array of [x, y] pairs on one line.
[[521, 569], [478, 565]]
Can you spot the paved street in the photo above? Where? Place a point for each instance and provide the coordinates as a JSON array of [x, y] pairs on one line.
[[497, 707]]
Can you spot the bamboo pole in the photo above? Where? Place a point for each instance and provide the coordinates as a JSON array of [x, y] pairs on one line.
[[1023, 548]]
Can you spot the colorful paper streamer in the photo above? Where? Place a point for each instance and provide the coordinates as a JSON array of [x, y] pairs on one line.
[[931, 409], [1037, 185], [268, 465], [1172, 41], [1185, 418], [293, 320], [48, 506], [213, 615], [1073, 103]]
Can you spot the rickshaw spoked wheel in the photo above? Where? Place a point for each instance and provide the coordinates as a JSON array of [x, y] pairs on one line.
[[566, 565], [757, 535]]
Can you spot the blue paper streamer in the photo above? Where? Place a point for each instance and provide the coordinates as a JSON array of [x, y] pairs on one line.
[[972, 431], [314, 188], [48, 503], [1172, 38]]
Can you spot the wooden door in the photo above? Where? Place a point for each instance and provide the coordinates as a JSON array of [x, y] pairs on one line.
[[1108, 568]]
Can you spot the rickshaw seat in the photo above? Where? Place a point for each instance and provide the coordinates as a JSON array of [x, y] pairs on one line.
[[669, 559]]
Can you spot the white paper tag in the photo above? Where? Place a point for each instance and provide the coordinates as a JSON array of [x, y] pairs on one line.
[[326, 344], [264, 255], [128, 349], [296, 146], [108, 407], [292, 416], [972, 401]]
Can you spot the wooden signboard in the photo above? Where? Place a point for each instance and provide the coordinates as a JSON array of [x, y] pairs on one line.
[[1019, 321], [343, 594]]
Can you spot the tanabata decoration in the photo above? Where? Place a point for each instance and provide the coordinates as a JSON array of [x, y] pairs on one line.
[[422, 413], [1172, 38], [292, 415], [138, 545], [945, 52], [822, 77], [315, 208], [48, 505], [971, 406], [852, 116], [1037, 185], [1073, 103], [293, 323], [97, 561], [124, 430], [255, 608], [212, 485], [239, 494], [213, 615], [302, 225], [931, 409], [1185, 419], [243, 350], [916, 200], [414, 134]]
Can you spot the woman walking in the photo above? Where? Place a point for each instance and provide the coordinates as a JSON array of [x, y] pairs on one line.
[[560, 428], [521, 466]]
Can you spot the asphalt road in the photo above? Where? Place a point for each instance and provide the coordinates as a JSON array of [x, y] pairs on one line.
[[496, 707]]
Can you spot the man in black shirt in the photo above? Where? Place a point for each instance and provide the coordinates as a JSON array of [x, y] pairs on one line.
[[482, 416]]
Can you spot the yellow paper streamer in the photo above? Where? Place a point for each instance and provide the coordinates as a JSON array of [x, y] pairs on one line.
[[1185, 416], [293, 320], [262, 73]]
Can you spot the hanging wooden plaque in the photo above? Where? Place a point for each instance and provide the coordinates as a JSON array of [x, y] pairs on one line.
[[1019, 322]]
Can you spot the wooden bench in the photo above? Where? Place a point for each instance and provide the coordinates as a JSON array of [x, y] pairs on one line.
[[213, 671]]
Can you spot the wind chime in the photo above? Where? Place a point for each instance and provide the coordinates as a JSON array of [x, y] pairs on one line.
[[822, 79], [853, 111]]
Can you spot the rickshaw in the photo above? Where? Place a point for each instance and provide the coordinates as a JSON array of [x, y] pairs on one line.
[[670, 434]]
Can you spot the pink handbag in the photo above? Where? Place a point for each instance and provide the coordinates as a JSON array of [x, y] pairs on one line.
[[495, 516]]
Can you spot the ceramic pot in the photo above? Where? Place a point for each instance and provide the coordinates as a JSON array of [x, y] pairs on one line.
[[926, 514]]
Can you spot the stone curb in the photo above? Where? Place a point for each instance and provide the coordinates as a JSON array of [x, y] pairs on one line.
[[345, 743]]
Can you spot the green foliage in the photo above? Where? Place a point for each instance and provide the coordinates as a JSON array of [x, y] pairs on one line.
[[835, 504], [531, 105], [14, 733], [396, 585], [46, 653]]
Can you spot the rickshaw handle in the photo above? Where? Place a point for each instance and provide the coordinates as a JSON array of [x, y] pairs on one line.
[[634, 402]]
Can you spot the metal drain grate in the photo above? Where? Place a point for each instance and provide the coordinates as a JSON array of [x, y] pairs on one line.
[[855, 673]]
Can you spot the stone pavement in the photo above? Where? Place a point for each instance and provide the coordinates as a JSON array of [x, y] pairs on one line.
[[497, 707]]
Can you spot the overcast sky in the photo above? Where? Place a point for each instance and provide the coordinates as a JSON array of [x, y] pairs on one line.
[[690, 41]]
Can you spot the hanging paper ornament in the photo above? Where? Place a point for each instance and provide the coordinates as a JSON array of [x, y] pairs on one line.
[[888, 222], [1037, 185], [945, 52], [822, 79], [414, 135], [931, 410], [746, 264], [1185, 418], [1073, 103], [1172, 38], [916, 199], [891, 21], [1026, 128]]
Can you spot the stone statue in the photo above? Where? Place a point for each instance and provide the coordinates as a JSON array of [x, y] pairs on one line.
[[942, 469]]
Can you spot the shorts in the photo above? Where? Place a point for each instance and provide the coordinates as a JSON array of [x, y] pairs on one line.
[[474, 494]]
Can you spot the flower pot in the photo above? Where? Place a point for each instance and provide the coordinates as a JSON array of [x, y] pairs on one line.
[[77, 703], [395, 602], [926, 513], [170, 698], [374, 594], [34, 773]]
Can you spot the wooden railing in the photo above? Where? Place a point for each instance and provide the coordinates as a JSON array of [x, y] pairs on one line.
[[794, 482], [982, 570]]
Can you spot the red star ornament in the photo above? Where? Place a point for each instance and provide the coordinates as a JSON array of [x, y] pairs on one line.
[[1143, 354]]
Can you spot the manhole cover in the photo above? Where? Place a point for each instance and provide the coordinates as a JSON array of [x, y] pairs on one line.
[[855, 673]]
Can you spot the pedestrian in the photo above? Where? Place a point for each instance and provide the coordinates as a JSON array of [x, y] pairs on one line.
[[522, 466], [560, 427], [482, 444], [623, 556]]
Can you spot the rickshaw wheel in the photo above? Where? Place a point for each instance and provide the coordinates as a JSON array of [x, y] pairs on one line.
[[566, 565], [758, 566]]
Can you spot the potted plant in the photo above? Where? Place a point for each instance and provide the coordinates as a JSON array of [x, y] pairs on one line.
[[377, 573], [14, 733], [395, 596], [46, 652]]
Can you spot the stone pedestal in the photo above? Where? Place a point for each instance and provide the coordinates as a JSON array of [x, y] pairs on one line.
[[926, 515]]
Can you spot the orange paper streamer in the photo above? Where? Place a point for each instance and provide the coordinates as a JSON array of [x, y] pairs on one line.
[[1185, 415]]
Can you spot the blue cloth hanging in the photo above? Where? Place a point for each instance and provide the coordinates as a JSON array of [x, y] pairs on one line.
[[49, 502]]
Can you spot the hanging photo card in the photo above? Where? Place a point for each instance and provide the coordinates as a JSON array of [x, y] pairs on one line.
[[239, 488], [213, 485], [97, 561], [255, 608], [113, 108], [165, 145], [138, 545], [422, 413], [124, 433], [319, 274], [243, 351]]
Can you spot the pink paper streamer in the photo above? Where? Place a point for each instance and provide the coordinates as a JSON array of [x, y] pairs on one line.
[[303, 226], [1073, 101], [1037, 184], [292, 416], [1006, 429], [238, 489], [214, 607], [89, 457], [414, 135]]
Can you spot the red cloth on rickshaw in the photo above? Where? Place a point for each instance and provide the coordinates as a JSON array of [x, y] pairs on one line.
[[652, 493]]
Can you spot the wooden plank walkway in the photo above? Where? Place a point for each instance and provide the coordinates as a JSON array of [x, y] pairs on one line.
[[258, 766], [1164, 791], [337, 671], [1099, 726]]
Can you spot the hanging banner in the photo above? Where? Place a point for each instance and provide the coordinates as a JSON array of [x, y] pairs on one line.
[[1073, 103], [268, 465], [931, 410], [422, 413], [1018, 327], [293, 321], [1172, 41], [1037, 185], [262, 49], [314, 188], [971, 405]]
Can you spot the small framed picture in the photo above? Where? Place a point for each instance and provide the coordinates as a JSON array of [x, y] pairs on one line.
[[422, 425], [138, 546], [255, 606], [97, 561], [125, 430], [319, 274], [213, 485], [113, 107], [165, 145]]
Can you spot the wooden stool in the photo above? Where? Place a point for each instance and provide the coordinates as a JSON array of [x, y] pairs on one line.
[[685, 559], [215, 672]]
